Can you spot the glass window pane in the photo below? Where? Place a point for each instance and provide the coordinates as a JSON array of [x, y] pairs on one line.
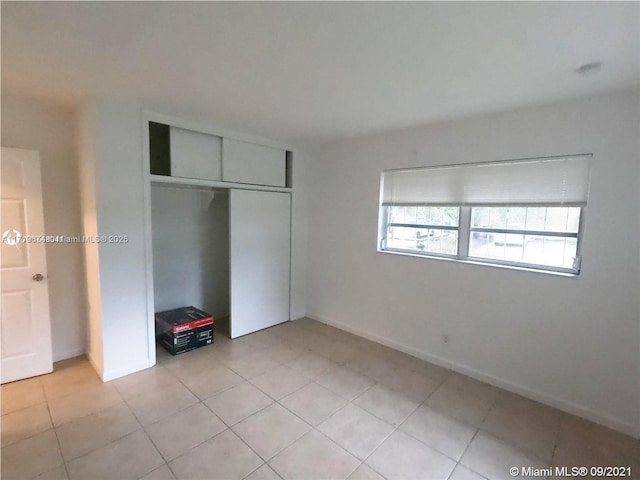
[[549, 219], [401, 238], [530, 249], [439, 241], [516, 217], [562, 219], [444, 216], [396, 214], [480, 217], [498, 217], [451, 216], [429, 216], [421, 240], [573, 219], [410, 214], [500, 246], [423, 215], [551, 251], [535, 218], [437, 216], [556, 220]]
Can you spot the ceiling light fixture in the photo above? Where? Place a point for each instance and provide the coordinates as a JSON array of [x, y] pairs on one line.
[[589, 69]]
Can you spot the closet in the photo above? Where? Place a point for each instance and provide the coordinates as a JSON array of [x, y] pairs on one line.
[[190, 238], [221, 226]]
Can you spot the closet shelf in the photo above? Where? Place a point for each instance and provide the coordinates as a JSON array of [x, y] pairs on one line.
[[160, 180]]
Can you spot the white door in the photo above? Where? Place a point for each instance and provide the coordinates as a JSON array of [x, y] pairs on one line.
[[260, 244], [24, 317]]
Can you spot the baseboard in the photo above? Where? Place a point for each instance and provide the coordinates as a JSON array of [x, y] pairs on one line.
[[69, 353], [550, 400], [297, 315], [113, 374]]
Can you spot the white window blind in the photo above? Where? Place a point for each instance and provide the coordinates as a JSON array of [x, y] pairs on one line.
[[560, 181]]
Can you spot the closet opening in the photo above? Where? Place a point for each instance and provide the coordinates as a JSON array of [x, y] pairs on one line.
[[190, 235]]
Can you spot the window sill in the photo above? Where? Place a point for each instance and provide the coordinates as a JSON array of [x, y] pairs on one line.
[[483, 264]]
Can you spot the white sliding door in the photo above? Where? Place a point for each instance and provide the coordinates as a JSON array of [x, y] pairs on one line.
[[260, 226]]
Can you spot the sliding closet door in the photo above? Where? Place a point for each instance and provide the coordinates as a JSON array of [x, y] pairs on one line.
[[260, 225]]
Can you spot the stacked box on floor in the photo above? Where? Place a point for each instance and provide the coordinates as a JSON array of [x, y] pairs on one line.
[[184, 329]]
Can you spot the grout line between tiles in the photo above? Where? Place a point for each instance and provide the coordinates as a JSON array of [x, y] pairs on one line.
[[228, 426], [143, 427], [55, 432], [431, 446], [157, 450], [463, 454], [33, 434], [555, 441], [258, 468], [349, 402], [99, 448], [171, 470]]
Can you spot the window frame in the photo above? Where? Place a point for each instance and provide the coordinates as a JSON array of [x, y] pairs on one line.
[[386, 224], [465, 231]]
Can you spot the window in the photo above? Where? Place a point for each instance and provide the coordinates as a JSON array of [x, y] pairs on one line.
[[423, 229], [543, 236], [526, 213]]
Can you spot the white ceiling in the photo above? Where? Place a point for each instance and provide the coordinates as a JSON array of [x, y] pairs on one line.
[[313, 72]]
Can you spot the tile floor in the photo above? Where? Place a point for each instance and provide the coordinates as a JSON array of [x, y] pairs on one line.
[[298, 401]]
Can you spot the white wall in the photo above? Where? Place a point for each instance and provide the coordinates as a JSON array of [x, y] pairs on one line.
[[299, 232], [35, 125], [571, 342], [86, 150], [190, 249], [113, 203]]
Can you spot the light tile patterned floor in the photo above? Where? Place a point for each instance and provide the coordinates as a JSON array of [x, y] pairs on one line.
[[298, 401]]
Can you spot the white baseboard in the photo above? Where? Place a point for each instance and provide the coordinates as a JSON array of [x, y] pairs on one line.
[[69, 353], [113, 374], [550, 400]]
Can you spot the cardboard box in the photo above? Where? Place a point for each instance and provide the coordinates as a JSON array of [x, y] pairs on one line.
[[184, 329]]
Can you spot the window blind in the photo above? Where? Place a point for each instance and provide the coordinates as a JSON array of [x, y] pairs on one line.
[[560, 181]]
